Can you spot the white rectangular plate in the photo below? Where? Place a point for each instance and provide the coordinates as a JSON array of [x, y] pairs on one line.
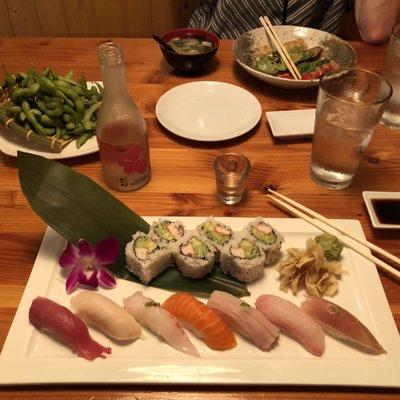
[[31, 357], [291, 124]]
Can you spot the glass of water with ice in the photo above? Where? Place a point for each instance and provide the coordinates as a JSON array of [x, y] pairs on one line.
[[349, 106], [391, 71]]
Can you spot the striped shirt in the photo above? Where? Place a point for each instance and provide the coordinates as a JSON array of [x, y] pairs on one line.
[[230, 18]]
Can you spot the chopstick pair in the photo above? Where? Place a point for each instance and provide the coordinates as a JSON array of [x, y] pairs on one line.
[[326, 225], [266, 23]]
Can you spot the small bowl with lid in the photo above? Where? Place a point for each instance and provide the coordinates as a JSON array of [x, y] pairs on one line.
[[195, 48]]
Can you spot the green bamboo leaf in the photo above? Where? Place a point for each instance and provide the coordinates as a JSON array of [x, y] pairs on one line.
[[76, 207]]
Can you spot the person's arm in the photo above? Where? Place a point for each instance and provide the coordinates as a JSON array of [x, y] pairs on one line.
[[376, 18]]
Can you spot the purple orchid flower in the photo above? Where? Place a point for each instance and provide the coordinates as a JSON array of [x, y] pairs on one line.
[[88, 263]]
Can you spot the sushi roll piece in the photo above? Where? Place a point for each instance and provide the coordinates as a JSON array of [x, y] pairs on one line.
[[194, 256], [243, 259], [267, 237], [168, 232], [145, 258], [216, 233]]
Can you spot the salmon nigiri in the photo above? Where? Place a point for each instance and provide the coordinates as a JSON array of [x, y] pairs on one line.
[[204, 321]]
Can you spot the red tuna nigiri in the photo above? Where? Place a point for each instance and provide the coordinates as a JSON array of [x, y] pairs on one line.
[[338, 322], [204, 321], [47, 315], [291, 319]]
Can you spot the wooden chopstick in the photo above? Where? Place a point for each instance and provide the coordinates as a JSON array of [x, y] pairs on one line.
[[271, 27], [314, 214], [281, 50], [345, 240], [280, 47]]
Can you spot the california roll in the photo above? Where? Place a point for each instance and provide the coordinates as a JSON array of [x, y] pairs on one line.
[[194, 256], [145, 258], [216, 233], [267, 237], [243, 259], [168, 232]]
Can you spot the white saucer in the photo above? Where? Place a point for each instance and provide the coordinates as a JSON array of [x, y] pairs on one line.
[[368, 197], [208, 111], [292, 123]]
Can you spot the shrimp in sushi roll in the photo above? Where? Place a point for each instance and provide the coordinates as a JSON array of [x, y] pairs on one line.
[[168, 232], [145, 258], [194, 256], [216, 233], [267, 237], [243, 259]]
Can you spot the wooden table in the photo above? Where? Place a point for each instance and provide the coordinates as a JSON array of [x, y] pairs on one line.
[[183, 184]]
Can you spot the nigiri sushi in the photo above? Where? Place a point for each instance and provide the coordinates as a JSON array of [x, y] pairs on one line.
[[338, 322], [245, 319], [49, 316], [204, 321], [158, 319], [291, 319], [107, 316]]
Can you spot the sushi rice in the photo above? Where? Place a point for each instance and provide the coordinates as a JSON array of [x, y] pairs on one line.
[[145, 258], [216, 233], [194, 256], [243, 259], [267, 237]]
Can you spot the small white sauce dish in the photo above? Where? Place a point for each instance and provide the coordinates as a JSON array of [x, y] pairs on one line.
[[369, 197]]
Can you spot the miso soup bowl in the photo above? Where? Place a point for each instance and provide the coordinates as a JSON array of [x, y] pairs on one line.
[[189, 62]]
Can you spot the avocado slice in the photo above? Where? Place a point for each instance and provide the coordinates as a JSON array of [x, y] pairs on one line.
[[199, 247], [143, 241], [250, 249], [161, 230], [216, 237]]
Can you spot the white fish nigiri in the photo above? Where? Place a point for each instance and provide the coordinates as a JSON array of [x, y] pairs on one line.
[[245, 319], [158, 319], [107, 316], [291, 319], [338, 322]]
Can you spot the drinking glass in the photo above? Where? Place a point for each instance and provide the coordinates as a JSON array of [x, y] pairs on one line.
[[231, 173], [349, 106], [391, 71]]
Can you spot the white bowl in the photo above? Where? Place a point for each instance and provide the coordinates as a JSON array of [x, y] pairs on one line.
[[335, 48]]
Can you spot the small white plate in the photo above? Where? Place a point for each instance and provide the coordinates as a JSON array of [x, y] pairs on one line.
[[208, 111], [11, 143], [291, 124], [369, 196]]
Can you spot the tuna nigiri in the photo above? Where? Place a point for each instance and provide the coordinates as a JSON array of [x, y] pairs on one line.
[[107, 316], [338, 322], [47, 315], [245, 319], [149, 313], [204, 321], [291, 319]]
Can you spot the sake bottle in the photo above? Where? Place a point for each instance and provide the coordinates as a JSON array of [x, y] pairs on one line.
[[121, 130]]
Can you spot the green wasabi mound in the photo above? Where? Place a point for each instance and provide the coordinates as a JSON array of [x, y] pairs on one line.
[[331, 245]]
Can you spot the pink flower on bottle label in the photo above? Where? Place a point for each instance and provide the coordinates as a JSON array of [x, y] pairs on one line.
[[131, 162]]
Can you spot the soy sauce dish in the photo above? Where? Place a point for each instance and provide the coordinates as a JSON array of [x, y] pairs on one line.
[[383, 209], [194, 48]]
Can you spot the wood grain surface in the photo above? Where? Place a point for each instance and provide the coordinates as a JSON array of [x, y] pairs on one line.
[[183, 184]]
